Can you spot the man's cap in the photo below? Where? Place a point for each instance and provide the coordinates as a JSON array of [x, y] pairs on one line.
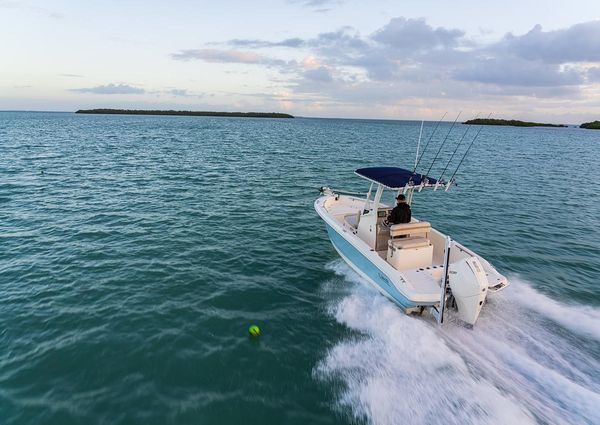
[[401, 198]]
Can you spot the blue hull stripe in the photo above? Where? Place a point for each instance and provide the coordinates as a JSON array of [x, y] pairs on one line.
[[360, 262]]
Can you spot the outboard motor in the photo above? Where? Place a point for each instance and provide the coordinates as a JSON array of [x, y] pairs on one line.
[[469, 284]]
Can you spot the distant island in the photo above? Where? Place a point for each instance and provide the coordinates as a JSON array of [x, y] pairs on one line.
[[594, 125], [514, 123], [185, 113]]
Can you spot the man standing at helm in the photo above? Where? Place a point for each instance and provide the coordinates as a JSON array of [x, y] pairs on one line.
[[401, 212]]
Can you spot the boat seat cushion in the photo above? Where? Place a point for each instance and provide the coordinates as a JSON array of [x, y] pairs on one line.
[[420, 227], [351, 220], [409, 243]]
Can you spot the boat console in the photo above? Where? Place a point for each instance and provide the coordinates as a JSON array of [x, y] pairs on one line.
[[383, 231]]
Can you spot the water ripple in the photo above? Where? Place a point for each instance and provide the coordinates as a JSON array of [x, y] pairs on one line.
[[136, 251]]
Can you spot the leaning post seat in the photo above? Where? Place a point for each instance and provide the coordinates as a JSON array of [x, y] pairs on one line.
[[420, 228], [414, 249]]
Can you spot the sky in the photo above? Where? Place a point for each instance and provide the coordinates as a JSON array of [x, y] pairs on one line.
[[402, 59]]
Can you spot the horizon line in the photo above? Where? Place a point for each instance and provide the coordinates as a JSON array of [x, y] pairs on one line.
[[295, 116]]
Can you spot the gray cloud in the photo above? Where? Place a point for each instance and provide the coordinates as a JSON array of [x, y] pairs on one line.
[[396, 51], [178, 92], [593, 74], [398, 43], [182, 93], [410, 51], [319, 74], [518, 72], [578, 43], [408, 58], [346, 38], [378, 64], [257, 44], [111, 89], [344, 42], [536, 59], [416, 34]]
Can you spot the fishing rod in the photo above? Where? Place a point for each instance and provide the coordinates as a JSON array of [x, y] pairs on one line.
[[455, 150], [417, 153], [419, 143], [465, 155], [443, 142], [427, 144]]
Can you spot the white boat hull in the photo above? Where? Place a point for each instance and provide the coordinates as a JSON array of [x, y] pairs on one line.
[[412, 290], [365, 267]]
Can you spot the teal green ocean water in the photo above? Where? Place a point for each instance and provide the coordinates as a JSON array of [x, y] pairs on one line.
[[135, 251]]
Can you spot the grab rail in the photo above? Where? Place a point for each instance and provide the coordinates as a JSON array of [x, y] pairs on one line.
[[341, 192]]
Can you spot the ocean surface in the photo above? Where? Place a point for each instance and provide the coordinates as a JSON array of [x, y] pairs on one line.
[[135, 251]]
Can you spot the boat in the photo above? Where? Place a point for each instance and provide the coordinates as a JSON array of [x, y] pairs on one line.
[[413, 264]]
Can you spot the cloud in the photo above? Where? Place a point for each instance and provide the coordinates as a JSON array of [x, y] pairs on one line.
[[344, 38], [316, 3], [257, 44], [71, 75], [319, 74], [593, 74], [344, 42], [411, 50], [227, 56], [511, 71], [415, 34], [380, 55], [178, 92], [536, 59], [111, 89], [408, 59], [182, 93], [578, 43], [219, 56]]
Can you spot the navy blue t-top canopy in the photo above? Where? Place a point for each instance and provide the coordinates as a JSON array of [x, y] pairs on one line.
[[394, 177]]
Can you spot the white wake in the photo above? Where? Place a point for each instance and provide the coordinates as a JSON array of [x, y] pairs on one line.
[[529, 359]]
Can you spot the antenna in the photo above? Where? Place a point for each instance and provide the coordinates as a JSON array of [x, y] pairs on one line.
[[456, 149], [465, 155], [443, 141], [427, 144], [419, 143]]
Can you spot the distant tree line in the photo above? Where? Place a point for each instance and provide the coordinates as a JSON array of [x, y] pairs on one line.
[[185, 113], [514, 123], [594, 125]]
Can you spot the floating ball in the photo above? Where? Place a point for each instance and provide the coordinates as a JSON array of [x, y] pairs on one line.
[[254, 330]]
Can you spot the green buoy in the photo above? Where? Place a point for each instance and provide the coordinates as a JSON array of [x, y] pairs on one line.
[[254, 331]]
